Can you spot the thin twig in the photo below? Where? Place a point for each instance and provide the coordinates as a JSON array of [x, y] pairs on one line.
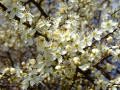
[[104, 73], [115, 12], [101, 38]]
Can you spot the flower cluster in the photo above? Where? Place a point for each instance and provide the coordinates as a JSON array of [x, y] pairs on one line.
[[68, 46]]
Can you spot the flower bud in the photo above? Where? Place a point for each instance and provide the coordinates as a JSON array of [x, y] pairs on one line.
[[95, 51], [58, 67], [68, 48], [12, 70], [110, 51], [32, 61], [76, 61], [110, 39], [23, 63]]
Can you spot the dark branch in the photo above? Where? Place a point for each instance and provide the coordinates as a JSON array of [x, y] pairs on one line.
[[16, 18], [75, 77], [101, 38], [40, 2], [104, 73], [104, 57], [39, 8], [39, 34], [115, 12], [25, 23], [9, 56], [3, 7], [86, 74], [101, 60]]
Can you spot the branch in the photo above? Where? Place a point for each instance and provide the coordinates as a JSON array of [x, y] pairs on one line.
[[104, 73], [99, 68], [105, 57], [39, 8], [115, 12], [6, 85], [101, 60], [75, 76], [40, 2], [101, 38], [9, 56], [110, 62], [3, 7], [26, 23], [86, 73], [99, 17], [16, 18]]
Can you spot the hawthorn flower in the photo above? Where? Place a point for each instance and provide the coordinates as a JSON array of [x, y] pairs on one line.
[[58, 67], [62, 8], [25, 85], [26, 17], [74, 1], [68, 47], [30, 79], [57, 55], [2, 34], [23, 63], [109, 25], [110, 51], [117, 80], [12, 70], [56, 35], [18, 25], [117, 34], [66, 36], [40, 43], [6, 70], [57, 21], [76, 61], [87, 41], [77, 46], [116, 55], [84, 67], [15, 10], [96, 34], [31, 31], [69, 34], [114, 88], [95, 51], [100, 83], [32, 61], [67, 26]]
